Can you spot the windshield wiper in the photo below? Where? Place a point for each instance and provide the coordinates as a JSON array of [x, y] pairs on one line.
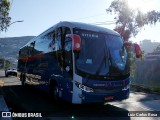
[[103, 60], [109, 60], [112, 68], [106, 57]]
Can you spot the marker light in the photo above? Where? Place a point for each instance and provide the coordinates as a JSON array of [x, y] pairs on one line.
[[77, 43]]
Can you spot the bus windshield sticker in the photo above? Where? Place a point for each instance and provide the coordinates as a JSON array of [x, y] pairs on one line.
[[89, 61]]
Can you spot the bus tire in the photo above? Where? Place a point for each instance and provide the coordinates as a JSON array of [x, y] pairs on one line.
[[23, 79], [6, 75], [54, 91]]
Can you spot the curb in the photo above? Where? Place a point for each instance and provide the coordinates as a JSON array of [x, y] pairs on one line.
[[143, 89]]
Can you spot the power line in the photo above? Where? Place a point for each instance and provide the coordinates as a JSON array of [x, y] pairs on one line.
[[104, 23], [90, 16], [98, 23]]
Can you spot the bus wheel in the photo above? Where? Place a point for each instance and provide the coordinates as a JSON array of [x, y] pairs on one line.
[[54, 92], [6, 75], [23, 79]]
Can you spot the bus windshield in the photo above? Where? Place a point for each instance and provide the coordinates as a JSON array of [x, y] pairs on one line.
[[101, 54]]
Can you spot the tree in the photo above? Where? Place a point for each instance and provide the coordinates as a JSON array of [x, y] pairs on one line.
[[130, 21], [5, 63], [4, 15], [125, 33]]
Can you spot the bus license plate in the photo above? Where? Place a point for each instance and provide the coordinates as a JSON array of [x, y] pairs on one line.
[[109, 98]]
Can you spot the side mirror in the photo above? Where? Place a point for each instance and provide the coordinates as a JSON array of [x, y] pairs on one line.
[[76, 42], [136, 48]]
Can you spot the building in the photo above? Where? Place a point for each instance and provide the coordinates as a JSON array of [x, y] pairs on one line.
[[155, 55], [148, 46]]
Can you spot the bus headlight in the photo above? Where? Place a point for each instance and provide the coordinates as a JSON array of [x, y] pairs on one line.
[[83, 87]]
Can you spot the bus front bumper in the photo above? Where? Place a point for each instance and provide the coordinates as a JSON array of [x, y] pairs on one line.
[[102, 98]]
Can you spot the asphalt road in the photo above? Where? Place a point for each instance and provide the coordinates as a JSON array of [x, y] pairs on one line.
[[30, 100]]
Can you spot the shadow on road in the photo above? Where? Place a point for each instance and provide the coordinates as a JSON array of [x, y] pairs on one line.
[[29, 99]]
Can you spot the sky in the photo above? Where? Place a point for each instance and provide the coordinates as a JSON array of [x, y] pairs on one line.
[[39, 15]]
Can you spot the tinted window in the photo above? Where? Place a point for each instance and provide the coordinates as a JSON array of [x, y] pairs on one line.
[[101, 54], [45, 43]]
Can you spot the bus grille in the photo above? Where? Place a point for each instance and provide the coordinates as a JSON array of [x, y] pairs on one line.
[[106, 91]]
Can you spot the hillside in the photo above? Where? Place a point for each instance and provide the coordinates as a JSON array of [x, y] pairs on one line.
[[9, 47]]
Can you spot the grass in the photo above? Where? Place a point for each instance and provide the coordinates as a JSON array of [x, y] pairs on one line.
[[156, 89]]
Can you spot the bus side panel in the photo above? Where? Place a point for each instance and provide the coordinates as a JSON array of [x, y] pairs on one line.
[[77, 93], [46, 68], [65, 86], [47, 65]]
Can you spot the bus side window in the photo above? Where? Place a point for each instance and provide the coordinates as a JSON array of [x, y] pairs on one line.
[[58, 46], [63, 51], [58, 39], [67, 51], [52, 45]]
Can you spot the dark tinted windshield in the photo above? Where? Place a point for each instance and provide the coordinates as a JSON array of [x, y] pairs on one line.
[[101, 54]]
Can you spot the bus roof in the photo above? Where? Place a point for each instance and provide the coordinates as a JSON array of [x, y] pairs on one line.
[[78, 25], [84, 26]]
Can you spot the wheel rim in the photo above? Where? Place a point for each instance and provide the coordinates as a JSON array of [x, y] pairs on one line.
[[56, 91], [23, 80]]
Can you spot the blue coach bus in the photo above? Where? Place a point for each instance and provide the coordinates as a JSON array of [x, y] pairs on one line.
[[77, 62]]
